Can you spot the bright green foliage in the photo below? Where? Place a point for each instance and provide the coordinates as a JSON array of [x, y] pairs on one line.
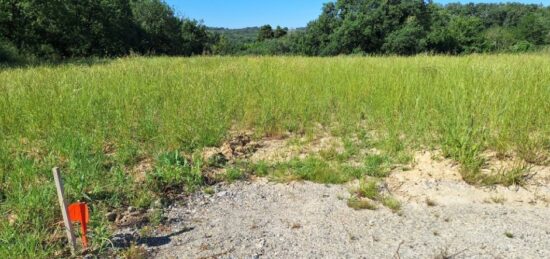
[[368, 190], [391, 203], [377, 165], [233, 174], [313, 169], [174, 173]]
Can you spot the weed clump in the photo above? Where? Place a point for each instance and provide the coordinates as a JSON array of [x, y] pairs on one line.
[[371, 191], [174, 172], [361, 204], [377, 165]]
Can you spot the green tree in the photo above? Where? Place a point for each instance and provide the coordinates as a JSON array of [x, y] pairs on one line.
[[468, 31], [499, 38], [408, 40], [195, 39], [440, 39], [68, 28], [317, 40], [532, 28], [280, 32], [160, 28], [265, 33]]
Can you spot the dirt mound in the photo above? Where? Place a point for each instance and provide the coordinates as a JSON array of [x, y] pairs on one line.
[[433, 178]]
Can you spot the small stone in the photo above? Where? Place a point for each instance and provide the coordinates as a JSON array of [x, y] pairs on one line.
[[221, 194], [132, 209]]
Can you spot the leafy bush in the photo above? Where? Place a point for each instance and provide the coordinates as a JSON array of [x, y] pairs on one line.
[[522, 46], [9, 53]]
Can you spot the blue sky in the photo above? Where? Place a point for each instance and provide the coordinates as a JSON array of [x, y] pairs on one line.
[[289, 13]]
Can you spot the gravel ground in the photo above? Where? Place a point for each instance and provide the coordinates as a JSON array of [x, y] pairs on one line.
[[260, 219], [441, 215]]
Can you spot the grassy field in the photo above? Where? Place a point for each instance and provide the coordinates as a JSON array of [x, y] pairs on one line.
[[97, 121]]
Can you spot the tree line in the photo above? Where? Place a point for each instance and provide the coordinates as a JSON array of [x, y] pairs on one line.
[[408, 27], [414, 26], [60, 29]]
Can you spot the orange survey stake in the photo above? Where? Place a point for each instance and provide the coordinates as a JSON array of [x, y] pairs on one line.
[[78, 212]]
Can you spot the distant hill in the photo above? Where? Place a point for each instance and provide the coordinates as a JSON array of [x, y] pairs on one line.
[[242, 35]]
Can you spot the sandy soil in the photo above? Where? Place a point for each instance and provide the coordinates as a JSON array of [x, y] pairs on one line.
[[441, 217]]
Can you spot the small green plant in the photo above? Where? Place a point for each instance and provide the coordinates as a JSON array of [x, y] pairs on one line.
[[368, 190], [508, 234], [155, 217], [515, 176], [361, 204], [329, 154], [208, 190], [377, 165], [233, 174], [463, 142], [351, 149], [391, 203], [174, 172], [135, 252], [312, 169], [260, 169]]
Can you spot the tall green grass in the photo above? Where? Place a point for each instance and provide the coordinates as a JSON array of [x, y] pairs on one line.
[[148, 107]]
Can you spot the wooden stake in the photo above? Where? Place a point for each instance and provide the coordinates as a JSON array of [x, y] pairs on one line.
[[63, 205]]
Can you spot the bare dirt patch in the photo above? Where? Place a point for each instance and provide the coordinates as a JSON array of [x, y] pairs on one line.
[[440, 215], [435, 178], [283, 149]]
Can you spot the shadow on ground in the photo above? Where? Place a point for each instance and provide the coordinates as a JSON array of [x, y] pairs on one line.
[[125, 240]]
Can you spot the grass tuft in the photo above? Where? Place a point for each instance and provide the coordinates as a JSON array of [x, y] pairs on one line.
[[361, 204]]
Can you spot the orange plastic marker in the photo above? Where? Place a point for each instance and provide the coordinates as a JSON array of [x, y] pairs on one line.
[[78, 212]]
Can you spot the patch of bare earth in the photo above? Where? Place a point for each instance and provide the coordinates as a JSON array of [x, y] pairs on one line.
[[282, 149], [441, 216], [439, 180]]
